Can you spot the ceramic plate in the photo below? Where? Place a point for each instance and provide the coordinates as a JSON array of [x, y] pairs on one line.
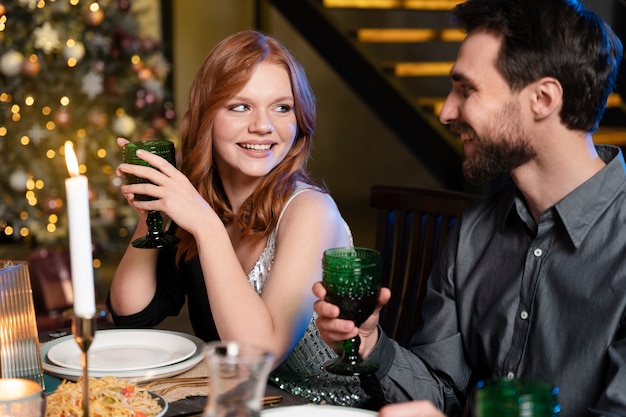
[[136, 375], [124, 350], [310, 410]]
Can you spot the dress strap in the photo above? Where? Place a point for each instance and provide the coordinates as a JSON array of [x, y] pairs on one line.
[[300, 189]]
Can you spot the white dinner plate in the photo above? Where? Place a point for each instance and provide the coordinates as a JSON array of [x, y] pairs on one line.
[[136, 375], [311, 410], [113, 351]]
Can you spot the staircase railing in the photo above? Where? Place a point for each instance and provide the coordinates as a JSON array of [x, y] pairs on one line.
[[429, 141]]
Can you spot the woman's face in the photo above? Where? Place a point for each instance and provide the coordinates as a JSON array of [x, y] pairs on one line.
[[255, 129]]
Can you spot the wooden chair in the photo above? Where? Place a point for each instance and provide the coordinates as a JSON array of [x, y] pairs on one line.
[[412, 224], [51, 281], [53, 296]]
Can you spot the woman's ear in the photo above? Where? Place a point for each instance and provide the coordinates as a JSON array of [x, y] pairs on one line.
[[547, 97]]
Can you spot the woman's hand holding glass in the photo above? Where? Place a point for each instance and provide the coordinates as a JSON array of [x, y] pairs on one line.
[[172, 193], [156, 237]]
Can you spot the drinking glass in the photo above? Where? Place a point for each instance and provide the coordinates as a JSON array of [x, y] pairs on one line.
[[20, 355], [156, 237], [238, 373], [352, 278]]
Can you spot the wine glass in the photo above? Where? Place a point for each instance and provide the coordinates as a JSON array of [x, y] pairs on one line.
[[155, 238], [352, 278]]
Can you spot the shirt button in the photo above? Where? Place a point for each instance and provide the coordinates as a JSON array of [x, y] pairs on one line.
[[524, 315], [510, 375], [537, 252]]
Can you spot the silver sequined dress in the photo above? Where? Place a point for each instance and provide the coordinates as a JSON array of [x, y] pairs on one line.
[[301, 373]]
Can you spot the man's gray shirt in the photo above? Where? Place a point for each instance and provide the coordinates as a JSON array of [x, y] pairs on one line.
[[509, 297]]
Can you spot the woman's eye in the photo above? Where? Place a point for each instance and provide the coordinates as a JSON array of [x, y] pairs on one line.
[[239, 107], [283, 108]]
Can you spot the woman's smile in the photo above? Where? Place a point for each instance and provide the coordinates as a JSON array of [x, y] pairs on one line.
[[257, 147]]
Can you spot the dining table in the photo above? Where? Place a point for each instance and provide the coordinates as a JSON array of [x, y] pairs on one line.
[[186, 393]]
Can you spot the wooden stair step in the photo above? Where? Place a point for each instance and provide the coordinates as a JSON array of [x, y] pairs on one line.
[[392, 4], [419, 69], [408, 35]]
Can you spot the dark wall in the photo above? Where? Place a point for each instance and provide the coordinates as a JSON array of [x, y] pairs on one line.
[[614, 12], [619, 25]]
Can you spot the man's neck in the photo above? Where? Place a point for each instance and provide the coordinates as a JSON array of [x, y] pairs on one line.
[[556, 172]]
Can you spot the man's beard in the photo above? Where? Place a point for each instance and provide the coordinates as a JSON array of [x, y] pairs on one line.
[[502, 149]]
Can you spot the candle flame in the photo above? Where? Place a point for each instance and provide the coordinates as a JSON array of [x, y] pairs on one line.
[[70, 159]]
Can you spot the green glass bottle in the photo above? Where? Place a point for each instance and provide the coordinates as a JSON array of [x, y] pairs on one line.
[[516, 398]]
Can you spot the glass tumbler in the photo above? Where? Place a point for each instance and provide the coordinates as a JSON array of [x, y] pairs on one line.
[[238, 375], [20, 355]]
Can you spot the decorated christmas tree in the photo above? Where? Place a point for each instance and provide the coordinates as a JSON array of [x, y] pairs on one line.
[[75, 70]]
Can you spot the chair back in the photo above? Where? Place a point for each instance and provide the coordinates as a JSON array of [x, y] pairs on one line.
[[52, 286], [412, 224]]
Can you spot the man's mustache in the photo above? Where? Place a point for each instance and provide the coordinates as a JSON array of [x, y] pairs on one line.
[[460, 128]]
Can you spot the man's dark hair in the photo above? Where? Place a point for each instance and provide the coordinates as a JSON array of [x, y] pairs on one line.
[[552, 38]]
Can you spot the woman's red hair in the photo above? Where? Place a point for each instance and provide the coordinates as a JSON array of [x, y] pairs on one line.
[[225, 71]]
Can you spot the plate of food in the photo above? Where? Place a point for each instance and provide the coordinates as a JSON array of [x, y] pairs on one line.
[[124, 350], [108, 396]]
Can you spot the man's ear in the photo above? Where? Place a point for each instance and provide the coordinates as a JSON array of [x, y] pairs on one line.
[[547, 97]]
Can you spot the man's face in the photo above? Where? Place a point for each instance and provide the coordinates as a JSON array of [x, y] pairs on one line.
[[484, 112]]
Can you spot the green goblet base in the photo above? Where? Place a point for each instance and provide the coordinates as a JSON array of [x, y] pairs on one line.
[[156, 241], [350, 363]]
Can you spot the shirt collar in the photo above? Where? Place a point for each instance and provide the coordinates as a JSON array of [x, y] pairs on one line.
[[580, 209]]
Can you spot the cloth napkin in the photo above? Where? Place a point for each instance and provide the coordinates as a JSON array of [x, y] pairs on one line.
[[181, 390]]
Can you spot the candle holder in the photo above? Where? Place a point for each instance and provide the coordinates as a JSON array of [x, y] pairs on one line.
[[84, 330]]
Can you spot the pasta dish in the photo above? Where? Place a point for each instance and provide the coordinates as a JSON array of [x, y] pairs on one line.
[[108, 397]]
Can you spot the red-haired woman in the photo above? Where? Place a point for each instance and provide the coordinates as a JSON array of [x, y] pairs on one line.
[[252, 223]]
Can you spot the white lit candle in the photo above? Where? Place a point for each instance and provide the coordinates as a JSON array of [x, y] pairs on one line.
[[77, 190]]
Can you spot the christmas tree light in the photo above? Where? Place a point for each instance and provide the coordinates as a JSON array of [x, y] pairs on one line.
[[75, 70]]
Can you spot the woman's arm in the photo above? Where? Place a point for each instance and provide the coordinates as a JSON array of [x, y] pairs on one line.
[[277, 319], [134, 281]]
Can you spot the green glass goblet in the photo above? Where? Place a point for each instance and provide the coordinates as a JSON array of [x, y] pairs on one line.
[[155, 238], [352, 278], [516, 397]]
